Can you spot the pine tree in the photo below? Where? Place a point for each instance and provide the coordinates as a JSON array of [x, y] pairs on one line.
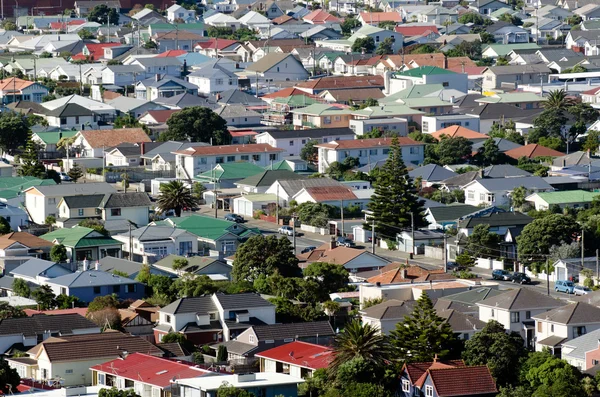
[[423, 335], [30, 163], [75, 172], [395, 197]]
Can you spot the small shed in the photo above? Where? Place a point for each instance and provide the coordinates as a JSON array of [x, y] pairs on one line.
[[246, 205], [404, 240]]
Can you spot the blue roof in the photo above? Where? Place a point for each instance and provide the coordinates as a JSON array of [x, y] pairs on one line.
[[193, 58], [34, 267], [90, 278]]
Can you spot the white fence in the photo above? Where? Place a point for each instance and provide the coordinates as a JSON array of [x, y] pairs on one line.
[[312, 229], [489, 263], [434, 252]]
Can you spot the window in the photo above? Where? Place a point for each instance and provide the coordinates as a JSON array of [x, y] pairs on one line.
[[514, 317], [481, 196], [470, 194], [63, 290], [245, 157], [527, 315], [80, 212], [51, 201], [594, 362], [202, 160], [212, 316], [432, 110], [230, 159], [251, 338], [167, 318], [185, 247], [465, 336], [256, 157], [539, 326], [551, 327], [291, 143], [425, 126], [337, 118], [414, 150], [373, 152], [219, 81], [97, 290], [115, 212], [101, 379], [493, 312], [377, 39], [219, 160], [467, 123], [273, 156], [63, 120], [327, 120], [578, 331], [131, 288], [76, 119], [405, 385], [385, 151], [37, 97], [445, 84], [230, 81], [129, 384], [68, 371], [428, 391], [303, 141]]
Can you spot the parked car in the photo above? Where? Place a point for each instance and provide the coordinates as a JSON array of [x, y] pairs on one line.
[[520, 278], [501, 274], [564, 286], [452, 266], [286, 230], [581, 290], [234, 218], [308, 249], [346, 242], [64, 176]]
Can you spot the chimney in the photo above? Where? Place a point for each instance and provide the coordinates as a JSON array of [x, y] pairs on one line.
[[332, 243], [97, 265], [452, 99], [157, 77], [480, 173], [85, 264], [143, 148], [403, 273]]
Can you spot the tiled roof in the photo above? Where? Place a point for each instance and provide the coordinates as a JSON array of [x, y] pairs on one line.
[[496, 219], [416, 370], [174, 349], [338, 255], [431, 173], [463, 381], [96, 50], [287, 92], [330, 193], [452, 212], [320, 16], [504, 171], [521, 299], [171, 53], [14, 84], [458, 131], [300, 354], [27, 239], [377, 17], [150, 370], [197, 304], [126, 200], [293, 330], [415, 30], [215, 43], [575, 313], [533, 150], [241, 301], [337, 82], [110, 138], [367, 143], [400, 273], [229, 149], [30, 326]]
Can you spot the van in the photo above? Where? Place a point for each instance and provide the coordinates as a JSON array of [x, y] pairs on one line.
[[564, 286], [501, 274]]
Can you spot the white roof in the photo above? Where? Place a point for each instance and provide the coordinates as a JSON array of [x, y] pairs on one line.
[[254, 17], [262, 379], [174, 8], [42, 40], [219, 18], [79, 100]]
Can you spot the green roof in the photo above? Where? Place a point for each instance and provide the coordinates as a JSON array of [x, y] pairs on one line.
[[568, 196], [421, 102], [389, 110], [501, 11], [52, 138], [227, 171], [195, 263], [416, 91], [76, 237], [363, 32], [269, 177], [11, 187], [207, 227], [504, 49], [425, 70], [319, 109], [296, 100]]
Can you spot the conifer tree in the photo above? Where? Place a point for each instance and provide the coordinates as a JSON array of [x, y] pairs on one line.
[[395, 197], [75, 173], [30, 163]]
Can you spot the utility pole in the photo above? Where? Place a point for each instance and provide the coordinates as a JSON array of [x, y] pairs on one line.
[[373, 237], [130, 244], [445, 255], [412, 233], [277, 207], [34, 68], [597, 263], [342, 213], [294, 231], [548, 276], [582, 248]]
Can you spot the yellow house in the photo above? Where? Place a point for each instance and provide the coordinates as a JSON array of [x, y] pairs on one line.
[[321, 116]]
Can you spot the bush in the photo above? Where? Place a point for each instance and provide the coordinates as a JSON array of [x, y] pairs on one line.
[[222, 354]]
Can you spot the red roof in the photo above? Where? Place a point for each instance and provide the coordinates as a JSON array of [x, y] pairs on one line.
[[96, 51], [470, 70], [171, 53], [367, 143], [533, 150], [300, 354], [377, 17], [416, 370], [229, 149], [238, 133], [64, 25], [462, 381], [78, 310], [287, 92], [220, 44], [593, 91], [161, 116], [417, 30], [330, 193], [151, 370], [320, 16], [456, 131]]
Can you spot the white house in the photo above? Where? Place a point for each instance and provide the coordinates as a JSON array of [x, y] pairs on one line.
[[247, 204], [122, 75], [177, 12], [378, 35], [214, 76], [194, 160], [497, 191], [92, 143], [293, 141], [368, 151], [152, 243], [277, 66]]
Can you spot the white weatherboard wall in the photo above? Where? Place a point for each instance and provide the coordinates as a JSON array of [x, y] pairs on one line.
[[489, 263]]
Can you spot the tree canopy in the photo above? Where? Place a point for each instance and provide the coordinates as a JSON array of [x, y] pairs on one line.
[[197, 124], [176, 196], [103, 15], [261, 255]]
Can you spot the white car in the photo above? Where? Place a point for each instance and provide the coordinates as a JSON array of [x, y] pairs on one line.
[[286, 230], [581, 290]]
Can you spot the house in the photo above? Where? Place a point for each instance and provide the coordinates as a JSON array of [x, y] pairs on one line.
[[151, 243], [83, 243], [504, 145], [147, 374], [177, 13], [429, 75], [431, 174], [69, 357], [212, 267], [456, 131], [517, 309], [111, 264], [397, 272], [497, 191], [557, 326], [213, 318], [320, 84], [163, 87], [214, 76], [163, 66], [320, 115], [384, 316], [162, 157], [287, 188], [239, 116], [14, 89], [532, 151], [227, 174], [378, 35], [41, 201], [447, 216], [299, 359], [352, 96], [37, 271], [15, 216], [463, 325], [563, 199], [18, 247], [581, 352], [336, 196], [259, 338], [293, 141], [262, 181], [497, 77], [156, 117], [498, 221], [253, 20], [277, 66], [375, 18], [122, 75], [522, 100], [93, 52], [354, 260], [433, 123], [261, 383], [368, 151], [92, 143], [126, 154], [318, 17], [466, 302], [29, 331], [71, 115], [177, 39], [416, 241], [505, 33], [192, 161]]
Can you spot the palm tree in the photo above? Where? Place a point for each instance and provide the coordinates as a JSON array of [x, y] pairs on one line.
[[359, 341], [175, 196], [557, 100]]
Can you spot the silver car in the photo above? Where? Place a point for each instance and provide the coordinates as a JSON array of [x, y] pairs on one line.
[[581, 290], [286, 230]]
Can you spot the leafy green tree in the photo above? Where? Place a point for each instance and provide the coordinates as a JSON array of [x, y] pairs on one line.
[[103, 15], [518, 196], [359, 341], [179, 264], [423, 49], [197, 124], [584, 115], [309, 152], [348, 25], [263, 255], [538, 236], [471, 17], [366, 44], [453, 150], [387, 25], [103, 302], [423, 334], [85, 34], [331, 276], [44, 296], [114, 392], [511, 19], [75, 173], [501, 61], [8, 311], [9, 25], [176, 196], [4, 226], [490, 153], [227, 390], [500, 351], [386, 47], [126, 121], [483, 243], [222, 354], [592, 142], [58, 253], [9, 378], [395, 197], [554, 377], [21, 288], [95, 224], [66, 302]]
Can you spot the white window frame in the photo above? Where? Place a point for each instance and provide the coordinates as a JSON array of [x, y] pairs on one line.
[[428, 391], [405, 386]]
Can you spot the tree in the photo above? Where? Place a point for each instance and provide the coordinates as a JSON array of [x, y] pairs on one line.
[[44, 296], [395, 197], [423, 334], [592, 142], [557, 101], [538, 236], [58, 253], [359, 341], [95, 224], [309, 152], [197, 124], [9, 378], [518, 196], [75, 173], [21, 288], [261, 255], [222, 354], [150, 45], [364, 44], [483, 243], [471, 17], [30, 163], [500, 351], [103, 302], [453, 150], [386, 47], [8, 311], [387, 25], [489, 153], [550, 376], [584, 114], [66, 302], [227, 390], [349, 25], [103, 15], [511, 19], [114, 392], [86, 34], [4, 226], [563, 251], [331, 276], [176, 196], [180, 263], [331, 308], [197, 190], [126, 121]]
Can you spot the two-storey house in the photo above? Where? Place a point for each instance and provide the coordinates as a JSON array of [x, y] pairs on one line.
[[293, 141], [214, 76], [177, 13], [498, 191], [152, 243]]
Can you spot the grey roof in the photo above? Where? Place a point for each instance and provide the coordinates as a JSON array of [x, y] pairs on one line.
[[242, 301], [518, 69], [109, 263], [504, 171], [65, 324], [552, 341], [452, 212], [313, 133], [576, 158], [460, 322], [90, 278], [127, 104], [296, 330], [291, 187], [521, 299], [84, 201], [174, 349], [461, 179], [69, 110], [575, 313], [239, 97], [495, 111], [583, 344], [154, 233], [389, 310], [125, 69], [187, 100], [125, 200], [431, 173], [197, 304], [195, 263], [502, 143], [72, 189], [556, 54], [151, 82], [508, 184], [473, 296], [34, 267], [165, 149], [495, 219], [154, 61], [232, 111], [268, 177], [239, 348]]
